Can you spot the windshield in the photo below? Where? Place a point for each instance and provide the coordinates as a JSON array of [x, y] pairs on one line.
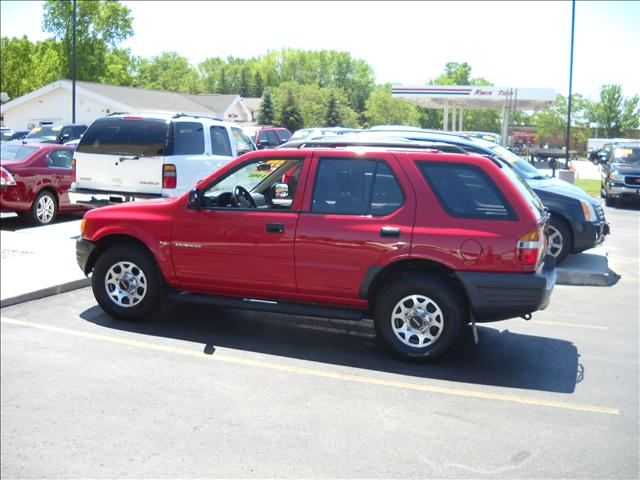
[[15, 152], [528, 171], [46, 131], [627, 155]]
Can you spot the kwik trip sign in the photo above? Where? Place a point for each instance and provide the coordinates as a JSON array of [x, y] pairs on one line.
[[481, 92]]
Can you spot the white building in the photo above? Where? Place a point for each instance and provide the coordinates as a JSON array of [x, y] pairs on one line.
[[53, 103]]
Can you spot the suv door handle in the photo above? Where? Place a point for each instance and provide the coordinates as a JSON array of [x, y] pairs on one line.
[[274, 228], [389, 232], [133, 157]]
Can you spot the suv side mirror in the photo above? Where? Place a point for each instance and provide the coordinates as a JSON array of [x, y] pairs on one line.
[[64, 138], [263, 144], [195, 199]]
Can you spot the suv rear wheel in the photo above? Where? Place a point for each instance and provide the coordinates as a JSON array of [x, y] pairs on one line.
[[126, 282], [420, 317]]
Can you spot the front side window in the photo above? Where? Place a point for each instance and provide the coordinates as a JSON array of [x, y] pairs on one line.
[[243, 142], [189, 138], [355, 187], [220, 141], [466, 191], [270, 184]]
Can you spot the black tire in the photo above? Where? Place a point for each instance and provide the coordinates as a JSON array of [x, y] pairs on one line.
[[44, 208], [144, 280], [560, 240], [603, 194], [436, 291]]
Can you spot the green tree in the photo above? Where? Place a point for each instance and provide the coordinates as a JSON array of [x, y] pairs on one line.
[[258, 85], [382, 109], [290, 116], [615, 114], [333, 118], [168, 71], [266, 114], [101, 26]]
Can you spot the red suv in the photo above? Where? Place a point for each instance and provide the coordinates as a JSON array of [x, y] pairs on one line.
[[267, 137], [422, 241]]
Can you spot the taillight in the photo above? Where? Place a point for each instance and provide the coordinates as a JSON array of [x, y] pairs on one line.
[[530, 247], [6, 179], [169, 176], [73, 169]]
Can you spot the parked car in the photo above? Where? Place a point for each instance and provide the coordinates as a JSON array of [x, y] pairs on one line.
[[311, 133], [131, 156], [267, 137], [8, 135], [491, 136], [35, 179], [621, 173], [577, 219], [421, 241], [55, 133]]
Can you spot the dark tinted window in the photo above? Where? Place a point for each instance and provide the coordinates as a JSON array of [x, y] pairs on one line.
[[284, 134], [271, 136], [189, 138], [60, 158], [220, 142], [121, 136], [387, 194], [466, 191], [355, 187]]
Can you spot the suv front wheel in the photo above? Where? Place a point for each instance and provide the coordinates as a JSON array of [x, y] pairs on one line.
[[420, 317], [126, 282]]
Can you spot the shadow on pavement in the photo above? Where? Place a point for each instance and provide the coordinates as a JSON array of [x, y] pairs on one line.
[[16, 223], [502, 358]]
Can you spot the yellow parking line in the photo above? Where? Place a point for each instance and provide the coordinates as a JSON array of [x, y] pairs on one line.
[[321, 373], [566, 324]]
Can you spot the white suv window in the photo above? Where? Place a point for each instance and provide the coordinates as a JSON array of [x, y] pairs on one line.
[[220, 141], [189, 138]]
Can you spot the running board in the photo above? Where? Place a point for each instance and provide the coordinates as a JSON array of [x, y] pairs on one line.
[[307, 310]]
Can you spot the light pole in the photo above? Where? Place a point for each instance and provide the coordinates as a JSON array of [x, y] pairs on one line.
[[573, 22], [73, 68]]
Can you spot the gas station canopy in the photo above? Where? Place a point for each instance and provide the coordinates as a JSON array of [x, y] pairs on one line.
[[460, 97]]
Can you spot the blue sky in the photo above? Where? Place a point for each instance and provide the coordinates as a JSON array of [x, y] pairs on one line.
[[512, 44]]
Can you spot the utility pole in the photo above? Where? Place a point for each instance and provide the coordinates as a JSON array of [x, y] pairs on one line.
[[573, 22], [73, 67]]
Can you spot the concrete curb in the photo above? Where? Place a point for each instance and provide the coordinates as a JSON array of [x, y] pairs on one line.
[[46, 292]]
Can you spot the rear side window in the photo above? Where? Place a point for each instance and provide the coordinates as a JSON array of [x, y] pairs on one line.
[[16, 152], [355, 187], [189, 138], [60, 158], [466, 191], [220, 141], [121, 136]]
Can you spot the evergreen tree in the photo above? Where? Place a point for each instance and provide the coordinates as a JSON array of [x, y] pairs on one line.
[[258, 85], [290, 117], [244, 83], [333, 118], [266, 114]]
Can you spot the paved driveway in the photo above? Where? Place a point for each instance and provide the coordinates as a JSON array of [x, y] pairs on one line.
[[197, 392]]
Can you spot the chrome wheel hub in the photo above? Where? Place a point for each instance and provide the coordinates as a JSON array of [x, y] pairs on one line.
[[45, 209], [417, 321], [126, 284], [556, 241]]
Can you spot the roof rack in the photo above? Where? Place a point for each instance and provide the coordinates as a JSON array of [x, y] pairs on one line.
[[382, 143], [178, 115]]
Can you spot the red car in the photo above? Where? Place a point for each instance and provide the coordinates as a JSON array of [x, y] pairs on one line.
[[421, 241], [34, 179]]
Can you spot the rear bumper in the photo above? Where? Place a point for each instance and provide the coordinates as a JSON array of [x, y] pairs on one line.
[[498, 296], [101, 198]]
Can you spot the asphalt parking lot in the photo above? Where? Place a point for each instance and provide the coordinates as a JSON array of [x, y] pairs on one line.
[[196, 392]]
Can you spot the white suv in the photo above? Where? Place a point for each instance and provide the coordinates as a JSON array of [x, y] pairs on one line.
[[127, 156]]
